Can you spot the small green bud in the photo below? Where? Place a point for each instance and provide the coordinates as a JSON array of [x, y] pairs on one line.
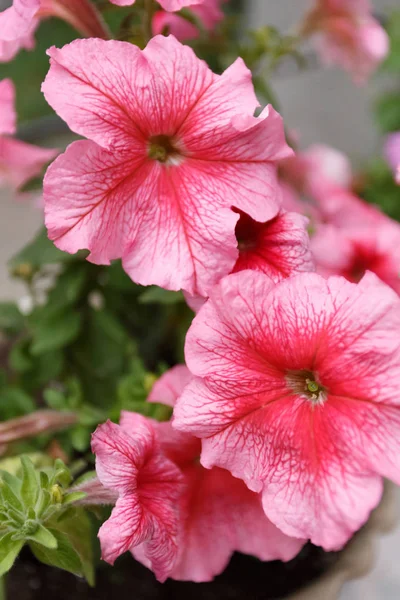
[[29, 527], [56, 494]]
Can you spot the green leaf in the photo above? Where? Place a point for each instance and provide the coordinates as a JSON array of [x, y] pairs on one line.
[[67, 289], [56, 332], [19, 358], [11, 319], [9, 550], [79, 531], [45, 368], [55, 399], [73, 497], [30, 483], [44, 537], [157, 295], [39, 252], [10, 488], [392, 63], [64, 556], [388, 112], [80, 438], [15, 402], [61, 474]]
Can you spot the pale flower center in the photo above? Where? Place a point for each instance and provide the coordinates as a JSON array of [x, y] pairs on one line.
[[163, 149], [306, 385]]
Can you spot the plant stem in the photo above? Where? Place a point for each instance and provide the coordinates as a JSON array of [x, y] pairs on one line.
[[3, 593], [149, 9]]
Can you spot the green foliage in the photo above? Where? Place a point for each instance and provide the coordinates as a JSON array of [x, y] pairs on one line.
[[392, 63], [388, 112], [11, 319], [35, 509], [381, 189]]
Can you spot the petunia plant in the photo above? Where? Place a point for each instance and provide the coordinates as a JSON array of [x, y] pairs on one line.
[[206, 360]]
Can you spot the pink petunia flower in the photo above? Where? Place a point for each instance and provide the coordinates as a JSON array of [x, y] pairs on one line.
[[348, 35], [213, 501], [358, 247], [149, 487], [317, 169], [173, 148], [297, 393], [279, 248], [392, 153], [209, 14], [19, 162], [19, 22]]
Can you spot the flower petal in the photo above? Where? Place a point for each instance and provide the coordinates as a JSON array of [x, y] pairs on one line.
[[170, 385], [279, 248], [8, 115], [150, 487], [20, 162]]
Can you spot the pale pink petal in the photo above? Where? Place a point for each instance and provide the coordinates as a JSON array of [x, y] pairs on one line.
[[279, 248], [123, 2], [81, 14], [209, 12], [173, 5], [170, 5], [114, 89], [186, 240], [359, 49], [10, 48], [8, 115], [234, 520], [20, 162], [170, 385], [328, 164], [93, 85], [178, 26], [16, 21], [149, 486], [392, 150], [100, 192], [112, 209], [256, 349], [351, 251]]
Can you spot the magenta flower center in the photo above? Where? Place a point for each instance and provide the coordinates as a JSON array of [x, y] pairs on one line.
[[162, 148], [306, 384]]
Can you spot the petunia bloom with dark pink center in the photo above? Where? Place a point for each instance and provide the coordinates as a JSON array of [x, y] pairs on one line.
[[297, 393], [279, 248], [173, 148], [19, 161], [353, 249], [348, 35], [185, 527], [213, 502]]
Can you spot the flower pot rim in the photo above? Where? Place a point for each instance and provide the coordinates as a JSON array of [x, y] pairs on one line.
[[358, 557]]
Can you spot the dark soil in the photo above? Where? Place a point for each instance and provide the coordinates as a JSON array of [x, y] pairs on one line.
[[245, 578]]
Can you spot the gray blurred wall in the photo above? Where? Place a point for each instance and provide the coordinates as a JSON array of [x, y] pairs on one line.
[[323, 104]]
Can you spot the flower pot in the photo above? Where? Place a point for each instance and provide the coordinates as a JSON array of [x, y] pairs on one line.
[[357, 559], [317, 574]]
